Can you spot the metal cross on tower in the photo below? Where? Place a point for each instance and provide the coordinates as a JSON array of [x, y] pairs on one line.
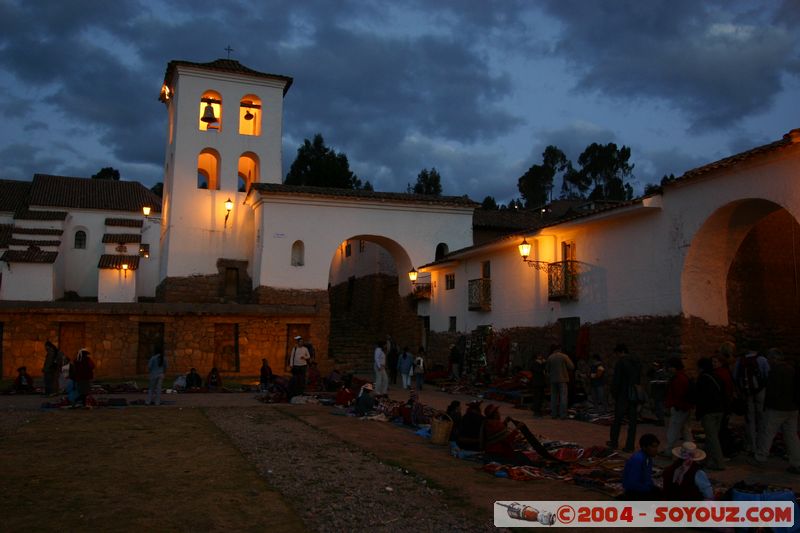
[[229, 50]]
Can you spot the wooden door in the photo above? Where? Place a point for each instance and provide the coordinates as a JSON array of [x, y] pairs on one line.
[[71, 338], [226, 347], [151, 336]]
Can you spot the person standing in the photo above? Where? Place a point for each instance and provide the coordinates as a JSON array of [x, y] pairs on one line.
[[419, 368], [51, 368], [709, 410], [381, 377], [597, 382], [750, 373], [780, 411], [299, 362], [404, 365], [392, 355], [84, 374], [265, 376], [559, 366], [678, 404], [157, 367], [625, 388]]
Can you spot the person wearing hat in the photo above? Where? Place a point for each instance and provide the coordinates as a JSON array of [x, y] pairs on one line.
[[83, 368], [499, 439], [365, 401], [299, 362], [685, 479], [471, 430], [24, 382]]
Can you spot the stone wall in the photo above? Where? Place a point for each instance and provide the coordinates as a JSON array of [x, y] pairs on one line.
[[367, 309], [111, 332], [209, 288]]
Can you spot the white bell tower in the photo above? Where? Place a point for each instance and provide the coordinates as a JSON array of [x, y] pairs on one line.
[[224, 133]]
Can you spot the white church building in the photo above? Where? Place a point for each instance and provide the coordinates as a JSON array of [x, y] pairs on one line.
[[231, 263]]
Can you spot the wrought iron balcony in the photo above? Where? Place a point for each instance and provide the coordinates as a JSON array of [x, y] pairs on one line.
[[562, 281], [480, 294], [422, 291]]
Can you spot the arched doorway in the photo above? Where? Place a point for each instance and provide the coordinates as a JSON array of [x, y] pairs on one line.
[[742, 272], [367, 273]]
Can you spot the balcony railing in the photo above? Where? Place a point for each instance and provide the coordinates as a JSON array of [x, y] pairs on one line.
[[562, 281], [480, 295], [422, 291]]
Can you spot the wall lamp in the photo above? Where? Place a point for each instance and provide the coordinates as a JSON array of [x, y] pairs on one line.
[[525, 251], [228, 209], [124, 268], [412, 275]]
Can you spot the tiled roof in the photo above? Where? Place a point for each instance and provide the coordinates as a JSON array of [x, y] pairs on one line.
[[5, 234], [116, 261], [32, 242], [510, 219], [121, 238], [793, 137], [37, 231], [13, 194], [83, 193], [224, 65], [277, 188], [27, 214], [126, 222], [31, 255]]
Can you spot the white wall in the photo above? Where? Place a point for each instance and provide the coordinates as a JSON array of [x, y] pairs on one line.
[[408, 232], [116, 285], [374, 259], [29, 281]]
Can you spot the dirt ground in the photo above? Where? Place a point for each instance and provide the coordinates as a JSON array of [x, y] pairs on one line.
[[303, 467]]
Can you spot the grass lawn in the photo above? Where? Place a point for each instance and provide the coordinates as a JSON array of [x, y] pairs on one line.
[[132, 469]]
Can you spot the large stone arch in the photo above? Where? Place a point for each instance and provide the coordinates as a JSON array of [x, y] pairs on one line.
[[713, 247]]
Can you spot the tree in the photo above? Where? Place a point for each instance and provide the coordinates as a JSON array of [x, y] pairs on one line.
[[607, 167], [489, 203], [158, 189], [428, 182], [107, 173], [536, 185], [317, 165]]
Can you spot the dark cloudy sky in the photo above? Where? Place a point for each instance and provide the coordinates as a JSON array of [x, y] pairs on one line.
[[474, 88]]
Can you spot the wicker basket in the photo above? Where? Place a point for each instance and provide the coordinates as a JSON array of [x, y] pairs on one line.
[[440, 429]]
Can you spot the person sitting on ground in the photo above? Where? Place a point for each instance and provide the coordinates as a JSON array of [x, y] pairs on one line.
[[333, 382], [365, 402], [685, 479], [454, 412], [345, 395], [313, 377], [265, 377], [193, 380], [214, 380], [24, 382], [470, 433], [500, 439], [637, 478]]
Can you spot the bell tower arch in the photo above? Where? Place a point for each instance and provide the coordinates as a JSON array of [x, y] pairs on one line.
[[225, 122]]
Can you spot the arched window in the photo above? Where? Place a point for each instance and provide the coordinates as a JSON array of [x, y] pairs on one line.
[[210, 117], [80, 239], [298, 253], [248, 170], [208, 170], [441, 251], [250, 115]]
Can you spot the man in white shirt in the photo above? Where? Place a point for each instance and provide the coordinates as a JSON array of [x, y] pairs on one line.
[[381, 377], [299, 361]]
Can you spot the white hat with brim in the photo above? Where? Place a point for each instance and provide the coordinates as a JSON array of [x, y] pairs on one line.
[[368, 386], [689, 450], [298, 338]]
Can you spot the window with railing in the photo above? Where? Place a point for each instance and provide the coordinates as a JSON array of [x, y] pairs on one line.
[[562, 281], [422, 291], [480, 294]]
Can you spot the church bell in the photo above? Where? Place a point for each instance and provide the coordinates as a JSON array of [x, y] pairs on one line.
[[208, 115]]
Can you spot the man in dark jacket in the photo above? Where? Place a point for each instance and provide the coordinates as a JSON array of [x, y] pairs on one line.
[[624, 388], [678, 404], [709, 410], [780, 410]]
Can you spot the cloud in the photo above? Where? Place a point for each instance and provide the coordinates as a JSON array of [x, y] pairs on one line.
[[716, 65]]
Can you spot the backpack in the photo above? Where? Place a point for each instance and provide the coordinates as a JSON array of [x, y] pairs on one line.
[[751, 380]]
